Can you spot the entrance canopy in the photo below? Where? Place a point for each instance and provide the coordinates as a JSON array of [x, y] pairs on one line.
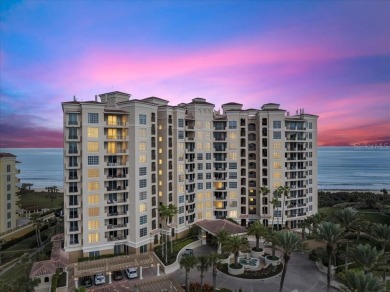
[[213, 226]]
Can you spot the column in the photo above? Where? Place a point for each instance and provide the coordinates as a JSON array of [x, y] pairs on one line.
[[158, 270], [109, 278], [76, 282], [140, 273]]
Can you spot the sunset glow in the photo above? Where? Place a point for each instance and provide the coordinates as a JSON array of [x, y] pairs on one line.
[[331, 58]]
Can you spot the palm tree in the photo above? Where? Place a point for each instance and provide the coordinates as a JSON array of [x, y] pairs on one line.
[[214, 260], [270, 238], [203, 265], [285, 191], [37, 222], [381, 234], [52, 191], [366, 256], [258, 230], [235, 244], [265, 191], [332, 234], [288, 241], [188, 263], [358, 281], [220, 238], [172, 211], [164, 215], [274, 202]]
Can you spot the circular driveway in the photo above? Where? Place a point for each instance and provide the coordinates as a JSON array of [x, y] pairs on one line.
[[302, 276]]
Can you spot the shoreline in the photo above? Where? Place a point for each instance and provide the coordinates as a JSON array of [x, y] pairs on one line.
[[378, 192]]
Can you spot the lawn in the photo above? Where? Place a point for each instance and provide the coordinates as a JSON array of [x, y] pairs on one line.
[[38, 200], [369, 215]]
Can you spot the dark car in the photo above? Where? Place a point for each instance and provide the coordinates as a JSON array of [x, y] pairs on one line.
[[117, 275], [86, 282]]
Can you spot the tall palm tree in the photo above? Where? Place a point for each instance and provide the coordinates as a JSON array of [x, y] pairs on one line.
[[37, 222], [258, 230], [172, 211], [220, 238], [358, 281], [164, 215], [284, 190], [332, 234], [265, 191], [235, 244], [366, 256], [214, 259], [188, 263], [381, 234], [288, 241], [270, 238], [274, 202], [203, 265]]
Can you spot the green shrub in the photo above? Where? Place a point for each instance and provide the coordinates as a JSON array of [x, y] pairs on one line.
[[105, 256]]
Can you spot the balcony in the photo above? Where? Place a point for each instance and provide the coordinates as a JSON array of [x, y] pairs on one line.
[[115, 214], [117, 226], [116, 238], [73, 123], [117, 151], [116, 164], [73, 229], [116, 124], [116, 137]]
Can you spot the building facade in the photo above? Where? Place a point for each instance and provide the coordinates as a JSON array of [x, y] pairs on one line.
[[124, 157], [8, 189]]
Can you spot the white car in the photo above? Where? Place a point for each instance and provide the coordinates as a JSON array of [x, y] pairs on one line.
[[100, 279], [131, 273]]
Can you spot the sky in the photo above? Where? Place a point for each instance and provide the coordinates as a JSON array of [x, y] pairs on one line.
[[331, 58]]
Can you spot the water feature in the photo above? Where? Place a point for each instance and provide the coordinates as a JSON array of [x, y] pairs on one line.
[[249, 262]]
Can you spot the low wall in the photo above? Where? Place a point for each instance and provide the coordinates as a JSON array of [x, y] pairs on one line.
[[175, 266]]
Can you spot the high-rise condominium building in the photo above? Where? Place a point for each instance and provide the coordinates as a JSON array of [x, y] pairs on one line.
[[8, 189], [123, 157]]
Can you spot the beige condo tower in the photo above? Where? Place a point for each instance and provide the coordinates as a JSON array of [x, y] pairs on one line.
[[123, 157]]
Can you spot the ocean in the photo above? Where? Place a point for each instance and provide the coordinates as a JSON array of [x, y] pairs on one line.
[[362, 168]]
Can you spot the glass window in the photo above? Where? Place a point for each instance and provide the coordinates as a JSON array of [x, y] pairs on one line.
[[233, 165], [143, 219], [181, 209], [200, 156], [208, 185], [93, 132], [208, 156], [142, 159], [142, 171], [208, 165], [142, 183], [200, 166], [73, 161], [142, 207], [181, 199], [72, 119], [277, 155], [277, 165], [142, 132], [232, 135], [277, 145], [232, 124], [232, 175], [277, 124], [181, 134], [143, 232], [93, 172], [143, 195], [277, 135], [93, 146], [208, 175], [93, 118], [93, 160], [142, 146], [232, 184], [8, 197], [73, 148], [93, 224], [93, 199], [93, 212], [93, 186], [180, 123], [142, 119], [93, 237], [200, 186], [181, 220], [233, 156], [8, 168]]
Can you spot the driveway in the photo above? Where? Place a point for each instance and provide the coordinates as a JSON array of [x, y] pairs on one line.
[[302, 276]]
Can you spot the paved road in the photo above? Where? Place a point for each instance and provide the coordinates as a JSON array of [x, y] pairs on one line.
[[302, 276]]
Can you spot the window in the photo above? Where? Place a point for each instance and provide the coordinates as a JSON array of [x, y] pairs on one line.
[[277, 213], [142, 207], [142, 132], [142, 183], [72, 119], [93, 186], [143, 219], [93, 160], [232, 195], [277, 155], [181, 189], [232, 124], [277, 174], [232, 165], [73, 187], [143, 232], [72, 161], [142, 119], [233, 214], [208, 175], [92, 172], [93, 199], [200, 176], [199, 206], [277, 135], [180, 123], [233, 156], [232, 175], [180, 146], [9, 214], [181, 220], [93, 237], [208, 165], [73, 200], [199, 146], [72, 148], [181, 199], [93, 118], [232, 135], [277, 145], [93, 212], [181, 209], [233, 146], [200, 156], [142, 195], [310, 125], [8, 197], [232, 184], [181, 135], [142, 171], [93, 225], [200, 186], [8, 177], [8, 187], [72, 133], [200, 166], [277, 165], [93, 146], [277, 124], [208, 185], [208, 156], [180, 168], [8, 168], [93, 132], [142, 158], [73, 213], [207, 146], [142, 146]]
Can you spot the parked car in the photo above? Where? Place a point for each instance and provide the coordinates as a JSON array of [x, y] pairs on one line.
[[188, 252], [131, 273], [86, 281], [100, 279], [117, 275]]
